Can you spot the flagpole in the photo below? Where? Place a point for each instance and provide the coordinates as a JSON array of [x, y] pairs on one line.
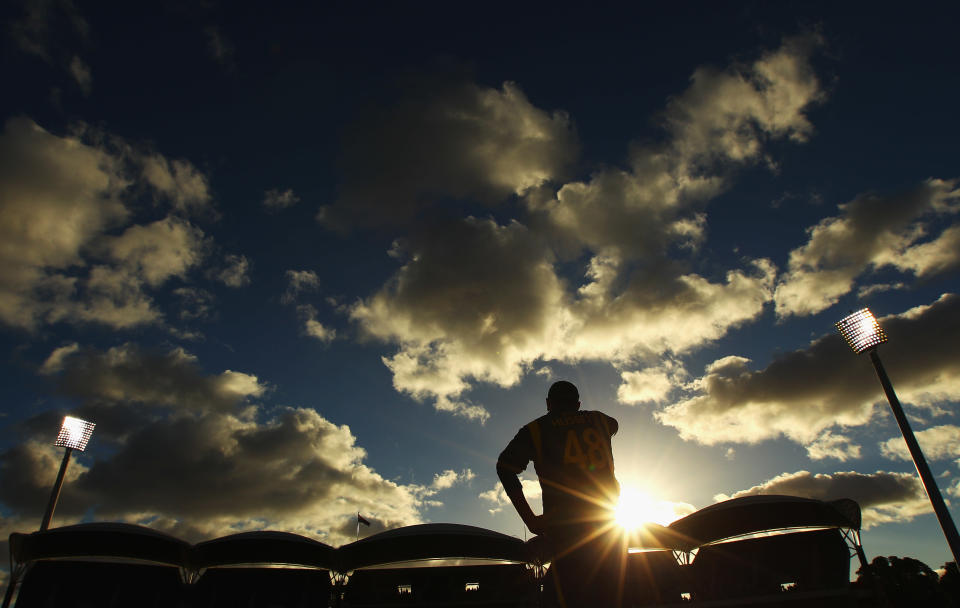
[[358, 525]]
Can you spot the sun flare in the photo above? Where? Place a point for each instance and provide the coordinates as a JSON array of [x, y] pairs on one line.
[[637, 507]]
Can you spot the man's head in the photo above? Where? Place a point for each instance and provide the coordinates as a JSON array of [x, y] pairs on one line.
[[563, 396]]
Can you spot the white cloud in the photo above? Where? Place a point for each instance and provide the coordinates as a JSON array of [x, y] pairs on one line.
[[872, 232], [54, 363], [933, 257], [498, 498], [448, 139], [720, 122], [62, 201], [449, 478], [235, 272], [938, 443], [651, 385], [834, 446], [884, 496], [179, 181], [474, 299], [299, 281], [477, 301], [480, 301], [314, 328], [158, 251], [868, 290], [275, 199], [56, 195], [801, 394]]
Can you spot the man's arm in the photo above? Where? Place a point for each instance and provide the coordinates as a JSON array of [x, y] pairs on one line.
[[514, 489]]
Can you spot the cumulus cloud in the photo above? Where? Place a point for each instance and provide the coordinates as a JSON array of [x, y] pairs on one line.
[[314, 328], [299, 281], [54, 363], [193, 454], [62, 202], [884, 496], [449, 478], [801, 394], [477, 300], [938, 443], [473, 299], [651, 385], [448, 139], [872, 232], [155, 252], [275, 199], [179, 181], [235, 271], [834, 446], [721, 122], [56, 195], [498, 499]]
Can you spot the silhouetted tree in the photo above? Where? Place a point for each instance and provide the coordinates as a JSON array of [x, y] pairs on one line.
[[950, 585], [907, 582]]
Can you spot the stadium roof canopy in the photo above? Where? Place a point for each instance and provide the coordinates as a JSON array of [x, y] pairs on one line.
[[263, 547], [753, 514], [725, 520], [430, 541], [100, 540]]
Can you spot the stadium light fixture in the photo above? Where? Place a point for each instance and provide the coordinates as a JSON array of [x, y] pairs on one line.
[[862, 332], [74, 435]]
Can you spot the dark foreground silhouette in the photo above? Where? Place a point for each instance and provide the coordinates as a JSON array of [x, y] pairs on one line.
[[707, 559]]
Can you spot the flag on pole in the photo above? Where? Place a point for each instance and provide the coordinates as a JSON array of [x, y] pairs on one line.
[[361, 520]]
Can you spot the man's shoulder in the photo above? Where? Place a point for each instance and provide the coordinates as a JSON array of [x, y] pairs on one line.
[[608, 420]]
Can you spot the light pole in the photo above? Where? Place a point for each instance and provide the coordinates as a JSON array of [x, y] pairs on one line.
[[863, 334], [74, 435]]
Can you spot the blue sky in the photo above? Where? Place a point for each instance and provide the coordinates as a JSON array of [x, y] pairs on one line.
[[299, 263]]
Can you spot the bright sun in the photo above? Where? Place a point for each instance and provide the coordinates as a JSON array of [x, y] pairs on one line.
[[636, 508]]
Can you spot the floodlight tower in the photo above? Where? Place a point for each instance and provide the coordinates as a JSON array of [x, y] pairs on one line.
[[74, 435], [864, 334]]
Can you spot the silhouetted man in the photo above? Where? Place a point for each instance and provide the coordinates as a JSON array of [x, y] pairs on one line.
[[571, 454]]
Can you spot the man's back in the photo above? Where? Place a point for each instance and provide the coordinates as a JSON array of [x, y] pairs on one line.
[[572, 456]]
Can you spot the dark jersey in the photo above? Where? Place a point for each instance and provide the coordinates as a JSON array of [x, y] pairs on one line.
[[572, 456]]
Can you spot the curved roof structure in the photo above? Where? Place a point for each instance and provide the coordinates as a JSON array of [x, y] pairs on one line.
[[725, 520], [263, 547], [750, 514], [430, 541], [110, 540]]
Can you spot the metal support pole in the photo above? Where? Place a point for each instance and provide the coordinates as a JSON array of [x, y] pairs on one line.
[[55, 493], [929, 484]]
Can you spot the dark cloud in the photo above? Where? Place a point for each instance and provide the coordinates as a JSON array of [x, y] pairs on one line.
[[883, 496], [193, 454], [472, 299], [873, 231], [802, 393], [480, 300], [447, 139]]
